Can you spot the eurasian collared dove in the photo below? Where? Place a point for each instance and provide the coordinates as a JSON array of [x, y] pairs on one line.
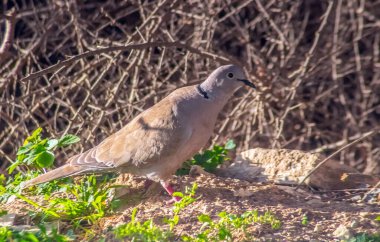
[[157, 141]]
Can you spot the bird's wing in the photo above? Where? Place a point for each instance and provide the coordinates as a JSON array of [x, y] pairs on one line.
[[153, 134]]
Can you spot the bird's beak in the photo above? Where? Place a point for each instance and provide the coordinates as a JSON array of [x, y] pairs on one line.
[[248, 83]]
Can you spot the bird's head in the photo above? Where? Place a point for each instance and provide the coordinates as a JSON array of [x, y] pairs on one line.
[[228, 78]]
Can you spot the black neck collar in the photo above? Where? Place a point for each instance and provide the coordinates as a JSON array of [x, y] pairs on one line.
[[202, 92]]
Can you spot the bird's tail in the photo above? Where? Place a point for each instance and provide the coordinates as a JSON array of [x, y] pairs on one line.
[[61, 172]]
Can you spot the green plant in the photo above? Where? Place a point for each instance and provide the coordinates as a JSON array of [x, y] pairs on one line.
[[86, 201], [186, 199], [3, 212], [228, 223], [304, 220], [209, 159], [148, 231], [14, 185], [141, 231], [32, 158], [7, 234], [364, 237], [37, 153]]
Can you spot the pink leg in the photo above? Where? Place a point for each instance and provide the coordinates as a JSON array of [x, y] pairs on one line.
[[170, 190]]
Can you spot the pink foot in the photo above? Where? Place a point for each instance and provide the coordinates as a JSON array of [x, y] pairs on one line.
[[170, 190], [173, 200]]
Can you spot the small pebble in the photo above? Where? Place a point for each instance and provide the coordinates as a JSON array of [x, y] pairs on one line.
[[342, 232], [353, 224], [318, 228]]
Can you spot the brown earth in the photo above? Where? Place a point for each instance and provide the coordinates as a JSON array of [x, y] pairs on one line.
[[325, 212]]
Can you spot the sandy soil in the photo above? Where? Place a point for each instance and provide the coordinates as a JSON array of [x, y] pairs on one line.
[[325, 212]]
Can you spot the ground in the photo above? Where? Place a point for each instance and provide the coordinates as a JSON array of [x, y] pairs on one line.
[[324, 213]]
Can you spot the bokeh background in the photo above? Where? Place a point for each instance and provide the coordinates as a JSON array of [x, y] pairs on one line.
[[316, 64]]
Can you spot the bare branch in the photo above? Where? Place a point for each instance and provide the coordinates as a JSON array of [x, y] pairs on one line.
[[10, 20], [124, 48]]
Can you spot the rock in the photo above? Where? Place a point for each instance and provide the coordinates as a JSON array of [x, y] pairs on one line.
[[291, 166], [206, 208], [7, 220], [356, 198], [297, 193], [354, 224], [242, 170], [243, 193], [33, 229], [318, 228], [315, 201], [342, 232], [364, 214]]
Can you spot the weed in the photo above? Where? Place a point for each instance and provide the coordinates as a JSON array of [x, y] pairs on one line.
[[145, 231], [36, 153], [3, 212], [86, 201], [209, 159], [186, 199], [228, 223], [7, 234], [364, 237], [148, 231], [33, 157], [305, 220]]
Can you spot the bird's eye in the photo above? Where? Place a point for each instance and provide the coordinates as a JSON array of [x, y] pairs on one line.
[[230, 75]]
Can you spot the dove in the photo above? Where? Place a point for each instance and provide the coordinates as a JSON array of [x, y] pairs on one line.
[[157, 141]]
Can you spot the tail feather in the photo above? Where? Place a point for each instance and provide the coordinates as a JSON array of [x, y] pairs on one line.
[[61, 172]]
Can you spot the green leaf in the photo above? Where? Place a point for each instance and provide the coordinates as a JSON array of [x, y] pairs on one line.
[[377, 218], [224, 233], [204, 218], [34, 137], [24, 149], [68, 139], [52, 143], [177, 194], [45, 159], [36, 149], [115, 204], [230, 145], [304, 220], [13, 166], [3, 212]]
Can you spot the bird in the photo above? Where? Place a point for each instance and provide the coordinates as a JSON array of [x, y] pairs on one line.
[[156, 142]]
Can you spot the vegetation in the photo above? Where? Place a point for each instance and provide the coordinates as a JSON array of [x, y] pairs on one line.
[[304, 220], [82, 202], [7, 234], [230, 224], [210, 230], [364, 237], [209, 159], [145, 231], [85, 201], [315, 63]]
